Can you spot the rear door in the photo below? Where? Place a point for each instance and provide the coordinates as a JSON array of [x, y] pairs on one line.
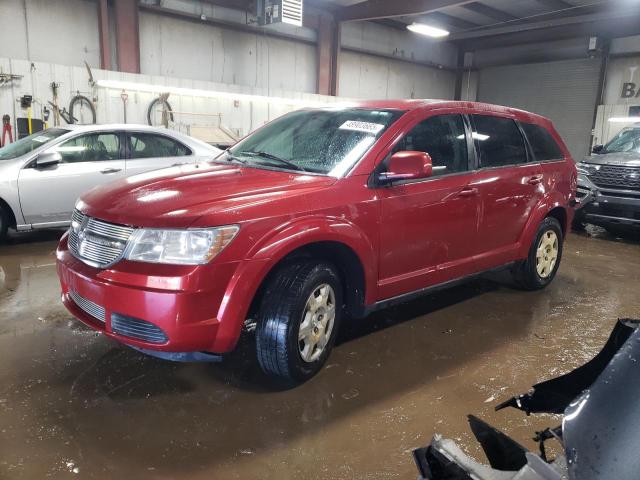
[[429, 227], [152, 151], [48, 195], [510, 186]]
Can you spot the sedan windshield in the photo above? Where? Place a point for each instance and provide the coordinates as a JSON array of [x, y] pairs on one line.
[[30, 143], [628, 140], [327, 141]]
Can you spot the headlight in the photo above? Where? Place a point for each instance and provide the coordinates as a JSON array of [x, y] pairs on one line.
[[179, 247], [587, 168]]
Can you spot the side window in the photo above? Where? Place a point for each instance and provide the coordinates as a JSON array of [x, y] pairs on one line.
[[443, 138], [543, 145], [149, 145], [93, 147], [498, 141]]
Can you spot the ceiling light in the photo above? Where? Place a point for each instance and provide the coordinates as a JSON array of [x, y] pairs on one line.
[[624, 119], [428, 30]]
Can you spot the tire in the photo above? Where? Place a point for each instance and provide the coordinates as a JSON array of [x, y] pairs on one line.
[[4, 224], [152, 105], [531, 273], [75, 104], [281, 315]]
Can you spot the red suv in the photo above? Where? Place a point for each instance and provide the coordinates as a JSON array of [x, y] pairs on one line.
[[320, 216]]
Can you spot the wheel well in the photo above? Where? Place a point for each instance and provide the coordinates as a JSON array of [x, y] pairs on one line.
[[560, 214], [345, 260], [4, 206]]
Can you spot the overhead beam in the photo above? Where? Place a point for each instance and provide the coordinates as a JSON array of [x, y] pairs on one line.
[[557, 22], [443, 19], [489, 12], [375, 9], [626, 24], [555, 5]]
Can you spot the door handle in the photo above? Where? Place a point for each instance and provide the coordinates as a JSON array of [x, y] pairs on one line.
[[468, 192], [179, 164], [535, 180], [108, 171]]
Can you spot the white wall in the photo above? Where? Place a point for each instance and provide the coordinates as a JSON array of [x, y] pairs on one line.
[[58, 31], [365, 76], [242, 117]]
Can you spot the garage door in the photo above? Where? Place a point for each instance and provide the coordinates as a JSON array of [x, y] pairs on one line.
[[563, 91]]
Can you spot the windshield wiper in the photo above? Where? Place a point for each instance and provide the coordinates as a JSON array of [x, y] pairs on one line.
[[274, 158], [233, 158]]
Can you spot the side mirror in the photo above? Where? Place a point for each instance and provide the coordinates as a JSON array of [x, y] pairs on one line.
[[408, 165], [598, 149], [48, 159]]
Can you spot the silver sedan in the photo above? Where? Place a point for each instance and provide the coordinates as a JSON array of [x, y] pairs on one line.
[[42, 175]]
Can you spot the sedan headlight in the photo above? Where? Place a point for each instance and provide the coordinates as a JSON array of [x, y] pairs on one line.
[[179, 247]]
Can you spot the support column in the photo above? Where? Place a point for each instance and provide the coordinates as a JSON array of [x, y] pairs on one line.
[[127, 35], [457, 95], [329, 33], [103, 28]]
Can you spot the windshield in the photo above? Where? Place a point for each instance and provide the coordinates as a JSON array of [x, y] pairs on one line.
[[628, 140], [30, 143], [328, 142]]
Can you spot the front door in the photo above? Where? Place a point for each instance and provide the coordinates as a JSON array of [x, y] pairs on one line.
[[151, 151], [48, 195], [428, 230]]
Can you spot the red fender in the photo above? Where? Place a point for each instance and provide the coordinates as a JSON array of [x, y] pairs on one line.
[[274, 247]]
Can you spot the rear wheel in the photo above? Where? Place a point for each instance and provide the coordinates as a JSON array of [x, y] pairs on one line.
[[543, 261], [298, 320]]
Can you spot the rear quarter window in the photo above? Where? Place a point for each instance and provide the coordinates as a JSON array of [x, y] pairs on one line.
[[542, 143]]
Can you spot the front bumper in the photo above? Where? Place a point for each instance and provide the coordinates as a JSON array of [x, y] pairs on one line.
[[178, 305], [606, 207]]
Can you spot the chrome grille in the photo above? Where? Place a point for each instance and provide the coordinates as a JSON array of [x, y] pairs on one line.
[[95, 242], [136, 328], [614, 176], [90, 308]]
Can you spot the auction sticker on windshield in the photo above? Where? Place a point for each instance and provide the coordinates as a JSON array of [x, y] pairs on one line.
[[366, 127]]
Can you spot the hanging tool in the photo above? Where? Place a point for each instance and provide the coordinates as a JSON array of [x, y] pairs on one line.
[[45, 116], [7, 78], [25, 104], [56, 111], [124, 96], [6, 131]]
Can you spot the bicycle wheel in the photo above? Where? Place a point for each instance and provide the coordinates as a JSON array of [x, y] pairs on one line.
[[157, 109], [82, 111]]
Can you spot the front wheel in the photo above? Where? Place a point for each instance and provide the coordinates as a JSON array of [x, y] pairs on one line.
[[543, 261], [4, 224], [298, 320]]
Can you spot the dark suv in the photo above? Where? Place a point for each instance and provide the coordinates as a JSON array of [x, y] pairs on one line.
[[609, 183]]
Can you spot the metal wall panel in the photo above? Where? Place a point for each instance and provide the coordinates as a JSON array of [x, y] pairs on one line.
[[564, 91]]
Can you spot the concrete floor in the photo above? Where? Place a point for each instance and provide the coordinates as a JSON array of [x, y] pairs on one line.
[[76, 404]]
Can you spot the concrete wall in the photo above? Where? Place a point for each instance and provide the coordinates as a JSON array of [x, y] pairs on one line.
[[177, 48], [365, 76], [60, 31]]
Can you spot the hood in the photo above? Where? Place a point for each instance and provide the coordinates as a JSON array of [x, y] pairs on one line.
[[200, 195], [627, 159]]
